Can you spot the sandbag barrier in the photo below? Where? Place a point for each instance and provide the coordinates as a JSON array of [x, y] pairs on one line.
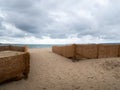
[[14, 48], [88, 51], [14, 67]]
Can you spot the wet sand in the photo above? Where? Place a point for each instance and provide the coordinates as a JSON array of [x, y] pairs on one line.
[[49, 71]]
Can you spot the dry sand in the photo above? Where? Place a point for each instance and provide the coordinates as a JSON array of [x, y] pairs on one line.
[[49, 71], [9, 53]]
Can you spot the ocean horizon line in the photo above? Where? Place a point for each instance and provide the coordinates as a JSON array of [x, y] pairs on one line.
[[46, 45], [34, 45]]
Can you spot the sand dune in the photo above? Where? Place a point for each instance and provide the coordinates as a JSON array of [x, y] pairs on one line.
[[49, 71]]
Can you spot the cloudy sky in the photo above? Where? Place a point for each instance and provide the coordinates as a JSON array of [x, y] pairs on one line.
[[59, 21]]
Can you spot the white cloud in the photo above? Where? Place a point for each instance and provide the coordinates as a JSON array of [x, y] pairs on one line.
[[48, 40], [56, 21]]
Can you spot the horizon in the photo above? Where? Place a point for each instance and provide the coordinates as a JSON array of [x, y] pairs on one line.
[[59, 22]]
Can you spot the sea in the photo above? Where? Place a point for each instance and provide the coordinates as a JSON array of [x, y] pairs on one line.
[[43, 45], [34, 45]]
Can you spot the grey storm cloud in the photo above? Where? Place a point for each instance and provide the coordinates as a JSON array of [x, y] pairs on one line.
[[60, 18]]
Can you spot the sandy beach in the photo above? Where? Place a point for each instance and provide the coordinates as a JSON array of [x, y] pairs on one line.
[[49, 71]]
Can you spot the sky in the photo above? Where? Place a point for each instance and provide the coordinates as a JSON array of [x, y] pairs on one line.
[[59, 21]]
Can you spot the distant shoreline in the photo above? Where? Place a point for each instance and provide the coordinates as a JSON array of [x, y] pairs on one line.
[[34, 45], [45, 45]]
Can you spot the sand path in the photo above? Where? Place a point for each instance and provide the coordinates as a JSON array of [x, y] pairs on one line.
[[49, 71]]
